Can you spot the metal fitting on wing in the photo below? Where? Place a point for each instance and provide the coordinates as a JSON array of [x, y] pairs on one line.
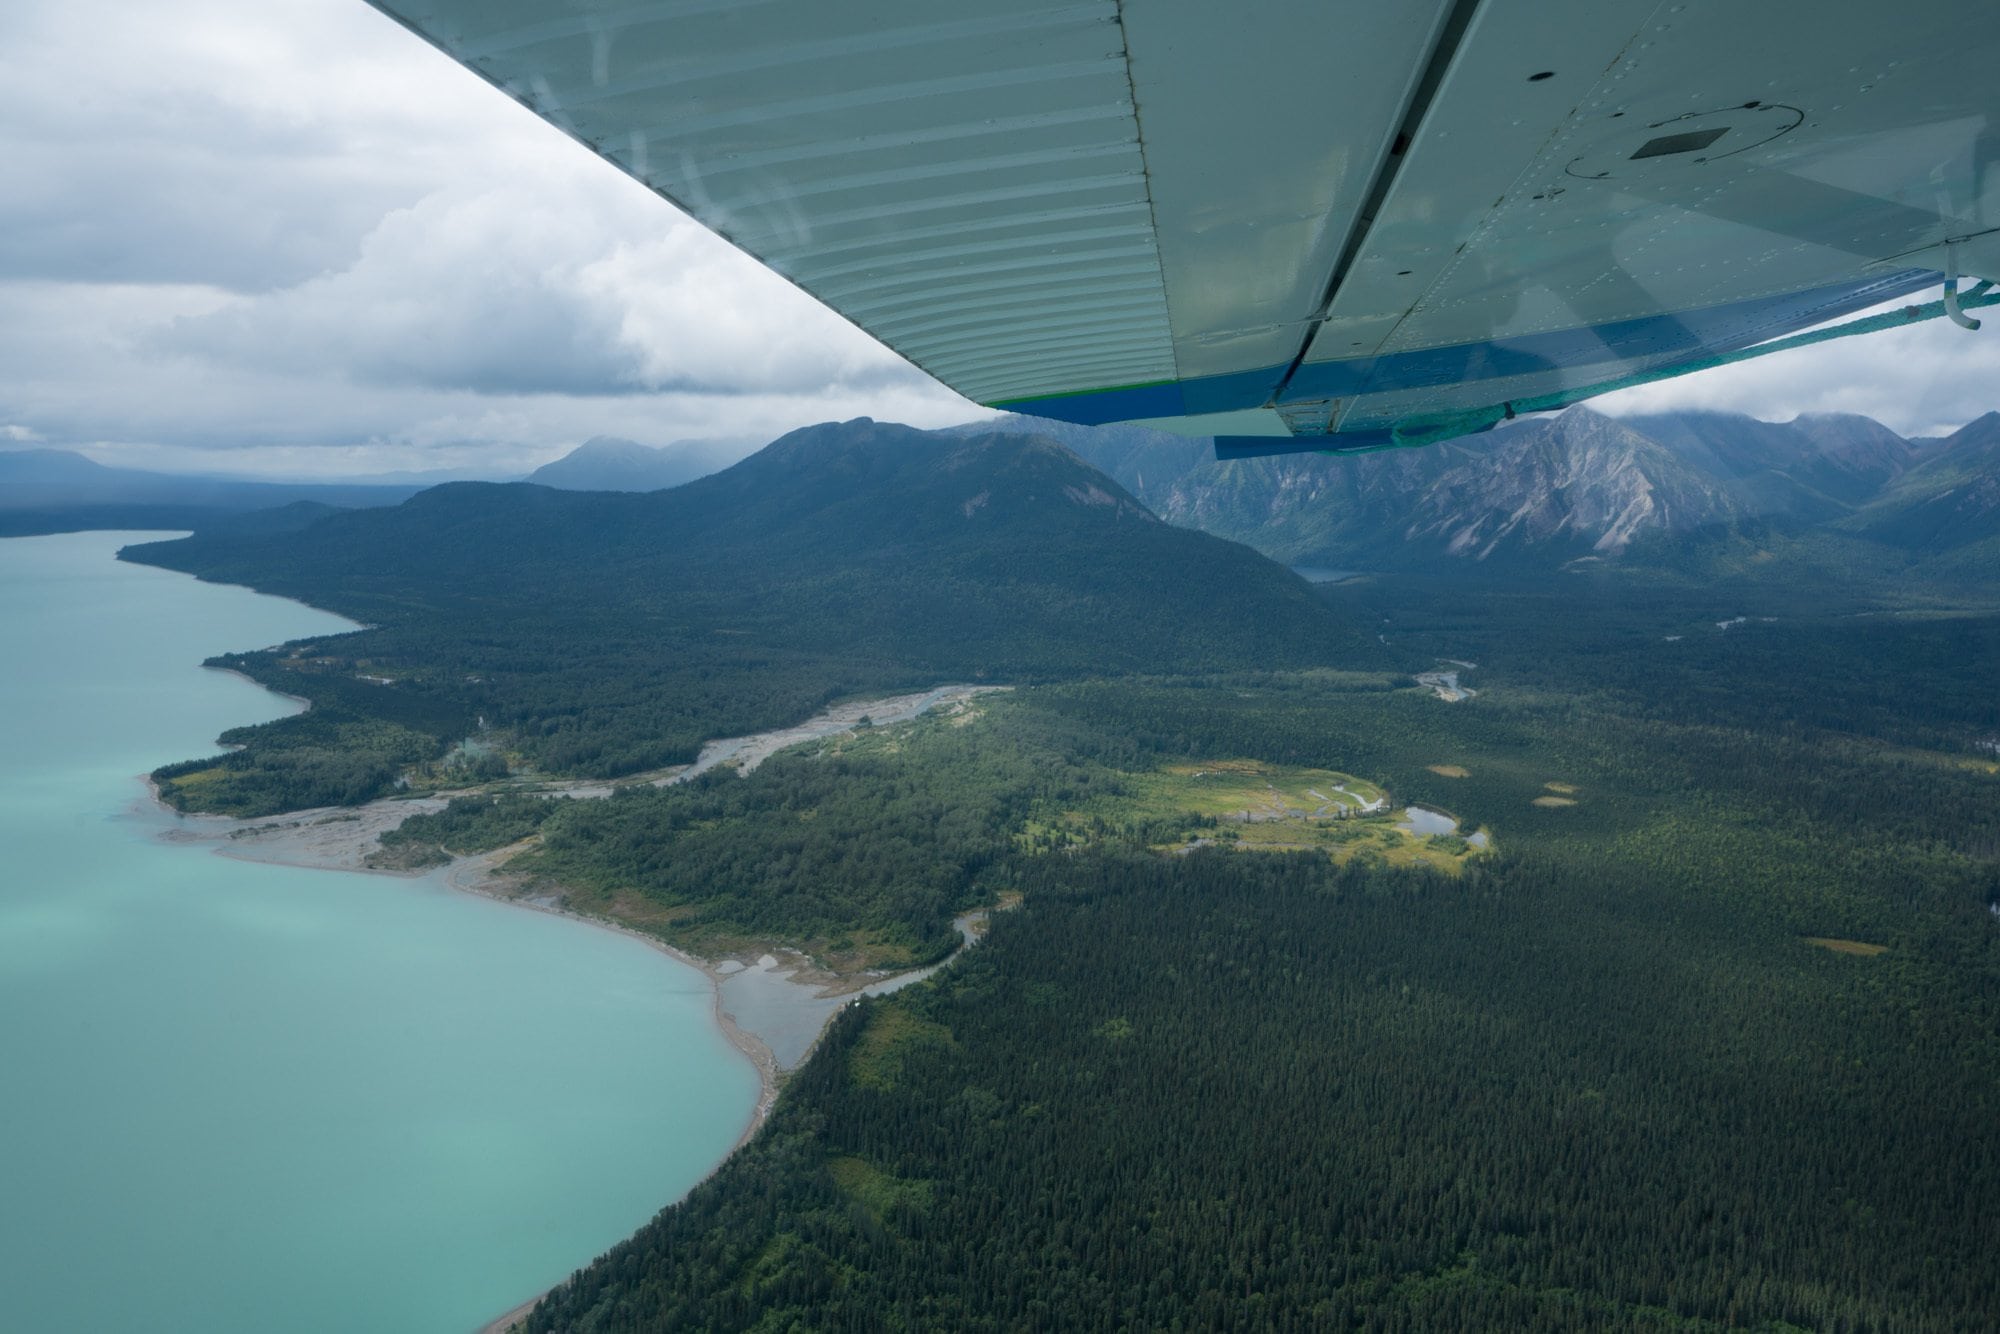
[[1951, 310]]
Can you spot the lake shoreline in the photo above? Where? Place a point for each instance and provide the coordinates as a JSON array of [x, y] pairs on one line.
[[341, 839], [254, 1093], [483, 875], [304, 841], [479, 875], [289, 841]]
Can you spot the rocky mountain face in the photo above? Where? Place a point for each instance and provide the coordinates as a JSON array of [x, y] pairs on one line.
[[1551, 490], [1580, 485]]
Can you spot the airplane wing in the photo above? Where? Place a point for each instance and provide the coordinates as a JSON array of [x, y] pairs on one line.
[[1310, 222]]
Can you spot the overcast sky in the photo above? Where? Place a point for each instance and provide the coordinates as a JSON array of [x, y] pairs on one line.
[[286, 237]]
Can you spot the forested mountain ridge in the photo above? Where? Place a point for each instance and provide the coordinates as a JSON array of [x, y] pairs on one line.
[[608, 633], [1948, 504], [1813, 466], [1538, 493], [889, 501]]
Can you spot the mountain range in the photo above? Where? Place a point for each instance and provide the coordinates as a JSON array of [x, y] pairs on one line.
[[58, 490], [1580, 486], [1537, 494]]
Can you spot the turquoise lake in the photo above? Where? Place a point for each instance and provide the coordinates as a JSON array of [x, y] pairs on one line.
[[240, 1099]]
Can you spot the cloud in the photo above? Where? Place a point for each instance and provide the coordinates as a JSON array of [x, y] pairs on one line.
[[179, 143], [698, 317], [1929, 379], [296, 239], [573, 281], [293, 238], [459, 291]]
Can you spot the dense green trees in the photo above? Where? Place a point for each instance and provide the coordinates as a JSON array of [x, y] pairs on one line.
[[1602, 1080], [353, 745], [862, 848], [1258, 1092]]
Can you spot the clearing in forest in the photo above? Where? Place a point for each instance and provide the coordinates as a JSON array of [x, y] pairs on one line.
[[1554, 801], [1251, 791], [1449, 770], [1860, 947], [1252, 806]]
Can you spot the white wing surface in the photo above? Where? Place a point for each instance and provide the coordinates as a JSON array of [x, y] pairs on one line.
[[1312, 221]]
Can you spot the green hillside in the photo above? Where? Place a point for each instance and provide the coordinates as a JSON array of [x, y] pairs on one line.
[[612, 633]]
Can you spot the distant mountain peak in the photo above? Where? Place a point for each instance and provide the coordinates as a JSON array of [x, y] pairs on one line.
[[612, 446], [991, 476], [612, 463], [1577, 482], [42, 464], [1984, 427]]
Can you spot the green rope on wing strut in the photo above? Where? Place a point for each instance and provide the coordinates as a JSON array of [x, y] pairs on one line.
[[1431, 430]]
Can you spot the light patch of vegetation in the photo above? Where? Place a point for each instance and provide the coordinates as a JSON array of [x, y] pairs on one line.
[[1229, 791], [857, 951], [1249, 806], [1860, 947], [1253, 791], [892, 1038], [1374, 841], [1566, 789], [1449, 770], [1552, 802], [1941, 759], [881, 1193], [190, 787]]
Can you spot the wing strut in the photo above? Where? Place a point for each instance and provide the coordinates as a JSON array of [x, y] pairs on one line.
[[1952, 306], [1431, 430]]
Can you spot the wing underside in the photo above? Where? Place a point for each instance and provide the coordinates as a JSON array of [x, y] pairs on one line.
[[1290, 218]]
